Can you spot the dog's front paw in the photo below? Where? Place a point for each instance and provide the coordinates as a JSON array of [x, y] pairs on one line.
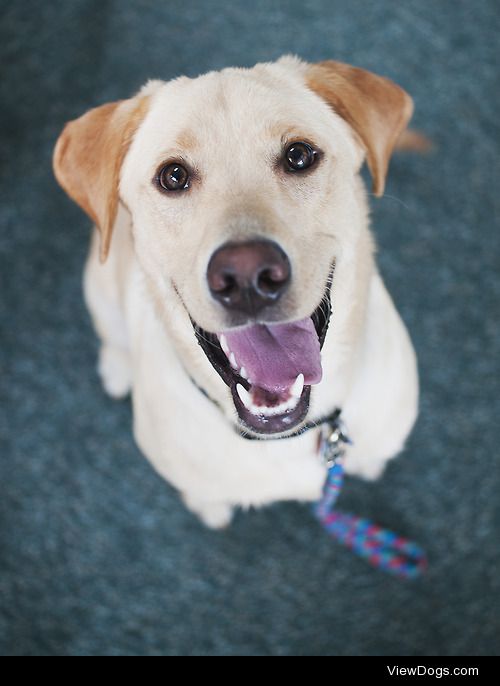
[[213, 515], [366, 468], [114, 370]]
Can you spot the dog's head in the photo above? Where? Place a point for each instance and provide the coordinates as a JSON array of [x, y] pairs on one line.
[[245, 197]]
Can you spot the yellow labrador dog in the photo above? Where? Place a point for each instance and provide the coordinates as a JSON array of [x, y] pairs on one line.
[[232, 278]]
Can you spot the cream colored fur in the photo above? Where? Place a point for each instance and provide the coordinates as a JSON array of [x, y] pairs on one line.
[[235, 122]]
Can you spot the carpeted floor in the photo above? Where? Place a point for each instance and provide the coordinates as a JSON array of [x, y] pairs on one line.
[[97, 555]]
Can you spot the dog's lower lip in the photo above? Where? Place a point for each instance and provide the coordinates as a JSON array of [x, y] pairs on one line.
[[274, 424]]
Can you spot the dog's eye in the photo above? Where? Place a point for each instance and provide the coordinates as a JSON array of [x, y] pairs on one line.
[[173, 177], [299, 156]]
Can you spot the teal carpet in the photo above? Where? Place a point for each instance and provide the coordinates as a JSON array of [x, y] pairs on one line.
[[97, 554]]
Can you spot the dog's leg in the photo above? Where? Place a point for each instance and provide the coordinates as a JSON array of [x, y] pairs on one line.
[[114, 369], [213, 515], [103, 301], [368, 465], [383, 405]]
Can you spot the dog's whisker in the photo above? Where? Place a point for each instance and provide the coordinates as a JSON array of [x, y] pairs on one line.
[[326, 235], [391, 197], [200, 334]]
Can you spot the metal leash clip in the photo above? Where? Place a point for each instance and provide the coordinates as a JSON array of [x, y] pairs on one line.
[[333, 439]]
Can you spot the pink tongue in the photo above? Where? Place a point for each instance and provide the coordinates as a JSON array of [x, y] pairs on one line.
[[274, 355]]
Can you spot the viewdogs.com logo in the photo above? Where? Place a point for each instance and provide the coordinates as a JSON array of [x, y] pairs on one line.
[[437, 672]]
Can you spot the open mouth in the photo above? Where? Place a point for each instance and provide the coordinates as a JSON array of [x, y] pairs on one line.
[[270, 368]]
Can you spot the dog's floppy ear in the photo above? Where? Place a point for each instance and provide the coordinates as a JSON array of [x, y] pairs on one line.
[[376, 108], [88, 157]]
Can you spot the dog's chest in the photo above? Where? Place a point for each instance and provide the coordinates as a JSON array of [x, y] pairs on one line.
[[195, 448]]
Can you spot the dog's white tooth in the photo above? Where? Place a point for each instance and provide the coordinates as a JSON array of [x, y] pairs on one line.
[[245, 397], [275, 410], [243, 373], [264, 410], [224, 345], [261, 410], [232, 360], [298, 387], [279, 409]]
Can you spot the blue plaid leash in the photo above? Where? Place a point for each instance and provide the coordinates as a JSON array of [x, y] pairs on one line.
[[380, 547]]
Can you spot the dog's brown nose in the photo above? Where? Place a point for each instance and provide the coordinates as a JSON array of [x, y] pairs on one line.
[[248, 276]]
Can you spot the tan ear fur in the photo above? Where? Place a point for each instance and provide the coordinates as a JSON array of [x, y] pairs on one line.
[[88, 157], [376, 108]]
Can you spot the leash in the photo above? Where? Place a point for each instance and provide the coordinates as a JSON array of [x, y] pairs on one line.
[[380, 547]]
